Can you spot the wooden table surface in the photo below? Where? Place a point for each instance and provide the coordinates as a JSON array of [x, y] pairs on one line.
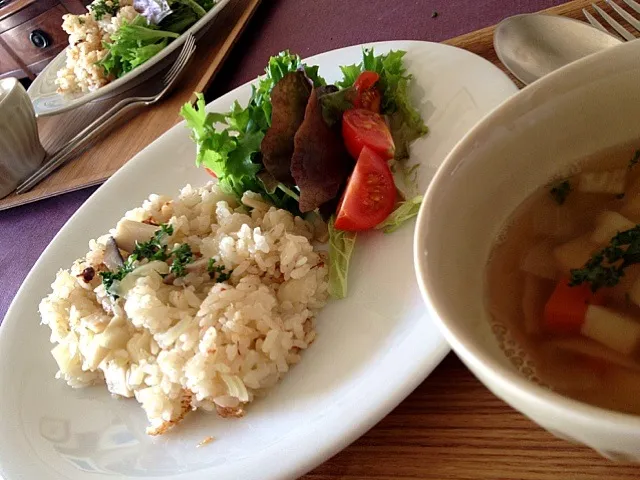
[[452, 428]]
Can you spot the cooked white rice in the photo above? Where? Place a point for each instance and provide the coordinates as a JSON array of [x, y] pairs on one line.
[[193, 344], [87, 37]]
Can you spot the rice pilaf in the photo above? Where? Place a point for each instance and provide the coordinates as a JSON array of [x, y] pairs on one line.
[[87, 36], [195, 341]]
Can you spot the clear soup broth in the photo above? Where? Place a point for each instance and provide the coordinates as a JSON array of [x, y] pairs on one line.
[[564, 278]]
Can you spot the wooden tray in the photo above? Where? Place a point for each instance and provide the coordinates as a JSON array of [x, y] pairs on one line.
[[101, 160]]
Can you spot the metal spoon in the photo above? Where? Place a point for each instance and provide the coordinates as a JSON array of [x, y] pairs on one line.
[[533, 45]]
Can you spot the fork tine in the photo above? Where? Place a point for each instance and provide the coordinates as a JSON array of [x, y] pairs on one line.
[[624, 14], [633, 4], [178, 63], [179, 67], [185, 54], [626, 34], [592, 20]]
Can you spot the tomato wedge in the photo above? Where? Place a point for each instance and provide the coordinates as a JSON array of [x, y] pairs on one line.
[[366, 80], [361, 128], [370, 194], [368, 96]]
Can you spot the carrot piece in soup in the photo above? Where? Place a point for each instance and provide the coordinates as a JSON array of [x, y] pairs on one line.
[[565, 311]]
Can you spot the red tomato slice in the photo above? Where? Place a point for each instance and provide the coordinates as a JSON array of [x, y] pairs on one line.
[[210, 172], [369, 100], [366, 80], [370, 194], [361, 128], [368, 96]]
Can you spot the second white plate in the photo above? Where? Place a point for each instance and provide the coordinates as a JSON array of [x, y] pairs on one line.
[[47, 101], [373, 348]]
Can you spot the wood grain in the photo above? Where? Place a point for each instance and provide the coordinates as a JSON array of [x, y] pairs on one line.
[[452, 428], [21, 11], [14, 7], [137, 131], [50, 22]]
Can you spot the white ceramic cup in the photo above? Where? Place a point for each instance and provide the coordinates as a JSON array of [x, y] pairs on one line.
[[584, 108], [21, 152]]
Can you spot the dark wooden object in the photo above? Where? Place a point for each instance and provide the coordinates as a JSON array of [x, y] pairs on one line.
[[31, 34]]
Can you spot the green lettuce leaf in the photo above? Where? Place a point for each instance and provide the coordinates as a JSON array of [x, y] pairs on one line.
[[229, 157], [403, 212], [232, 151], [133, 44], [341, 246]]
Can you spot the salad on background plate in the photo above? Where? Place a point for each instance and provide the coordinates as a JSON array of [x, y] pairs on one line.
[[116, 36]]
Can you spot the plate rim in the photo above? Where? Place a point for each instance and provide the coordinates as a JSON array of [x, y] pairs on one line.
[[121, 82], [420, 370]]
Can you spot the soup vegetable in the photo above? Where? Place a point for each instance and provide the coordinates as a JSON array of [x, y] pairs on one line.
[[564, 278]]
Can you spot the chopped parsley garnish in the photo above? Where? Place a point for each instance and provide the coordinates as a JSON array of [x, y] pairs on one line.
[[156, 248], [635, 159], [108, 278], [182, 255], [560, 191], [606, 267], [217, 272], [100, 8]]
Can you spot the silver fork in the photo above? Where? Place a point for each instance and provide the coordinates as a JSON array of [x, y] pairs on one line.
[[110, 117], [613, 23]]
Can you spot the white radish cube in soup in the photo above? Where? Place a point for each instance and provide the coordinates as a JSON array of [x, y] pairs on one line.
[[611, 329], [631, 208], [553, 220], [608, 181], [634, 292], [536, 291], [539, 261], [608, 224], [574, 254]]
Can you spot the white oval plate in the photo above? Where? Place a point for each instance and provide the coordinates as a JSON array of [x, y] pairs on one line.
[[372, 350], [47, 101]]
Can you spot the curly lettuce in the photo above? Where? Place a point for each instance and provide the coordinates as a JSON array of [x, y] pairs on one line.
[[133, 44], [232, 150]]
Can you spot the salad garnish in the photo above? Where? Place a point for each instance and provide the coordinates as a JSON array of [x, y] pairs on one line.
[[341, 245], [404, 211], [311, 147]]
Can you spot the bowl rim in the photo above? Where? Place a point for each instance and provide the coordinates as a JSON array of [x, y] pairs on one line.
[[495, 372]]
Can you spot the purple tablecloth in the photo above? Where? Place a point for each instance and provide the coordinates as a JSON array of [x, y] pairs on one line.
[[304, 26]]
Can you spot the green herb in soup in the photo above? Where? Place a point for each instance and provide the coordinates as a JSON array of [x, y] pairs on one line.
[[564, 279], [560, 191], [607, 266]]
